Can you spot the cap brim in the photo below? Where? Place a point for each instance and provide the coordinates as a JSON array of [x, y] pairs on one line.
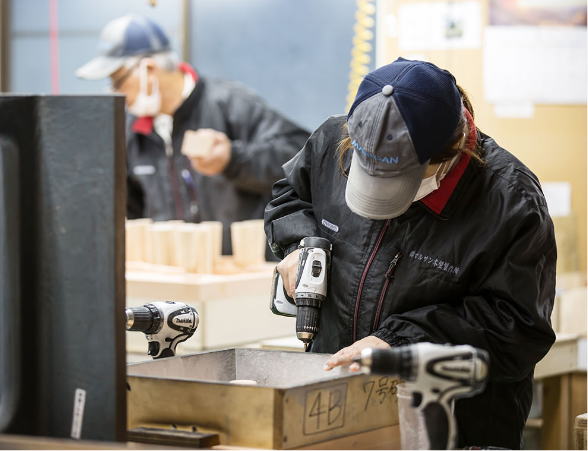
[[100, 67], [380, 197]]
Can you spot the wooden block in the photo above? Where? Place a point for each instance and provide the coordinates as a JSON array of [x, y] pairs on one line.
[[248, 241], [555, 313], [566, 280], [556, 410], [217, 238], [186, 243], [562, 357], [173, 437], [578, 408], [150, 268], [580, 432], [197, 144], [160, 239], [572, 311], [135, 231], [204, 249], [566, 236]]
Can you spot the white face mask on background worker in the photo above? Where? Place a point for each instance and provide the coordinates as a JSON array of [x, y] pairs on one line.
[[145, 103]]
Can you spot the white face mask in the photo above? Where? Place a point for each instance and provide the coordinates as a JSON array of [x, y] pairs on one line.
[[432, 183], [145, 104]]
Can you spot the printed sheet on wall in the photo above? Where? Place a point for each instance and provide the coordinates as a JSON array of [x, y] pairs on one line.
[[535, 52]]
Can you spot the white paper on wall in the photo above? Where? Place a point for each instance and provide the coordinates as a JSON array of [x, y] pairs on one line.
[[525, 110], [539, 65], [439, 26], [559, 198]]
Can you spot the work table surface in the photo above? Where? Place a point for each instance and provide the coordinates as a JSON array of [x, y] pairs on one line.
[[188, 287]]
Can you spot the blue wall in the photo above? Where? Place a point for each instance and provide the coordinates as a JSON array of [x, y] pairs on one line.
[[294, 53]]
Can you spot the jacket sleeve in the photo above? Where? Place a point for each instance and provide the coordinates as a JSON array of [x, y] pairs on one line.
[[289, 217], [507, 313], [261, 142]]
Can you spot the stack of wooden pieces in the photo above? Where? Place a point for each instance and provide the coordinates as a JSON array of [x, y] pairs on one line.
[[193, 247], [176, 246]]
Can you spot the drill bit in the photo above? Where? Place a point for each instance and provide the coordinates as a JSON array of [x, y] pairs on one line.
[[305, 346]]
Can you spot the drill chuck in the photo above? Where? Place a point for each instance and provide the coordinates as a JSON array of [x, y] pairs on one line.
[[145, 319], [307, 322], [390, 362], [308, 316]]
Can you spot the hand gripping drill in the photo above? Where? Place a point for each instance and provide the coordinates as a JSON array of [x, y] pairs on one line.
[[311, 288]]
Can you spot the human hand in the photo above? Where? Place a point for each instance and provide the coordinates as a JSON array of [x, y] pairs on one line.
[[219, 155], [346, 355], [288, 269]]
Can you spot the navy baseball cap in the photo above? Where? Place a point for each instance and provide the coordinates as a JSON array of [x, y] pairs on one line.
[[403, 114], [121, 38]]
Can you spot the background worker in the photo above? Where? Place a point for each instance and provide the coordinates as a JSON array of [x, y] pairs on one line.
[[248, 140], [438, 235]]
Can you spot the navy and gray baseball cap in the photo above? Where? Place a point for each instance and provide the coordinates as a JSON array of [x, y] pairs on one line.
[[121, 38], [403, 114]]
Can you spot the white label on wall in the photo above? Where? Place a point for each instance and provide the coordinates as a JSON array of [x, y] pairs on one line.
[[78, 413], [559, 198], [538, 65], [439, 26]]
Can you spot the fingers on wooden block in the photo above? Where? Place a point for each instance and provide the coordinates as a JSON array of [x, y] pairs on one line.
[[197, 144]]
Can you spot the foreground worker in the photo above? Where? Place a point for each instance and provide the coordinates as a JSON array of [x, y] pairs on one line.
[[248, 140], [438, 235]]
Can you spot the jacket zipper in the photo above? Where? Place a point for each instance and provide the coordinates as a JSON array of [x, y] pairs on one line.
[[389, 276], [169, 151], [365, 271]]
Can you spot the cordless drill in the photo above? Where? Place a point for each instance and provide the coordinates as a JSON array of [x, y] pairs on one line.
[[165, 324], [310, 288], [435, 374]]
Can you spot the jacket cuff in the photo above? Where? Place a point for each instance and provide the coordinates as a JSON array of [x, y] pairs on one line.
[[389, 337], [291, 248], [283, 253], [232, 169]]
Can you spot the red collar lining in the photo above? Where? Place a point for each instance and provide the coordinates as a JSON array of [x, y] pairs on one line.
[[437, 200], [144, 125]]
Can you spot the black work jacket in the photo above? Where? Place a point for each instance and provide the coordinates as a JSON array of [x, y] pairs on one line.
[[164, 188], [475, 264]]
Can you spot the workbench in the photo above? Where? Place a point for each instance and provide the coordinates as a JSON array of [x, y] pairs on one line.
[[558, 369], [233, 308], [383, 438], [230, 306], [562, 373]]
